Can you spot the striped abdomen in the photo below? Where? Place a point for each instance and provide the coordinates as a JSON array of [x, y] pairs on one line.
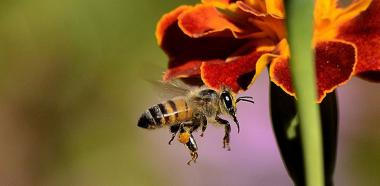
[[166, 113]]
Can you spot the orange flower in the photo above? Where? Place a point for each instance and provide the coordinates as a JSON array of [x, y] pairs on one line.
[[225, 42]]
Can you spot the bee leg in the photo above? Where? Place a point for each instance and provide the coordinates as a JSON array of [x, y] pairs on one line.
[[191, 126], [199, 119], [187, 138], [174, 130], [227, 130], [192, 146]]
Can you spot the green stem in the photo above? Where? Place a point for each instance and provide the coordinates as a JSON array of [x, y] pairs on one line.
[[300, 29]]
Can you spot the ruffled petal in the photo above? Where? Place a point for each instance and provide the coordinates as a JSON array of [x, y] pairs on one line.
[[188, 69], [274, 8], [335, 63], [205, 19], [269, 21], [186, 53], [279, 73], [364, 32], [238, 74], [168, 20], [256, 8]]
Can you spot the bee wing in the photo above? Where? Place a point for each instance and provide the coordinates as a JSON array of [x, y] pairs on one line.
[[152, 72], [170, 89]]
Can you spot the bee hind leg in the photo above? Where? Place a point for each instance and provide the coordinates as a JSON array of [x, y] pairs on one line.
[[186, 137], [194, 157], [192, 146], [227, 130]]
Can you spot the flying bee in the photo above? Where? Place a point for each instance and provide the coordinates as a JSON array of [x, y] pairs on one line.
[[185, 114]]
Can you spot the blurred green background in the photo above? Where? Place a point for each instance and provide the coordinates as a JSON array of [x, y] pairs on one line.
[[71, 92]]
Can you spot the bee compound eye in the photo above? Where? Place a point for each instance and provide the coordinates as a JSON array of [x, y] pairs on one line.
[[227, 100]]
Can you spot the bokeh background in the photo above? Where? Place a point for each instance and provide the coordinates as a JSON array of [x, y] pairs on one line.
[[72, 86]]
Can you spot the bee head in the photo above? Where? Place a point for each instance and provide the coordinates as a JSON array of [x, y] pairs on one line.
[[229, 103]]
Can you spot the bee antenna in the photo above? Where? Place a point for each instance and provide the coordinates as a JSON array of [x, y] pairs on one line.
[[246, 100], [249, 97]]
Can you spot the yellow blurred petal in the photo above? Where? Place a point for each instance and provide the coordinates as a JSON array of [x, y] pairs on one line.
[[275, 8], [353, 10], [324, 8]]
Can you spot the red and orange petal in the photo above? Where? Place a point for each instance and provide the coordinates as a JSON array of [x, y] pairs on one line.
[[364, 32], [335, 63], [167, 20], [237, 74], [185, 52], [266, 24], [188, 69]]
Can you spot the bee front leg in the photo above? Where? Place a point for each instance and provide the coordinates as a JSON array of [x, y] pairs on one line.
[[227, 130]]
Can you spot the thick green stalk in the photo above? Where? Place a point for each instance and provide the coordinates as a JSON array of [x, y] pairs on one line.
[[300, 27]]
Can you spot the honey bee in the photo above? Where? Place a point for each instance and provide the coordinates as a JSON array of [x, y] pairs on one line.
[[186, 114]]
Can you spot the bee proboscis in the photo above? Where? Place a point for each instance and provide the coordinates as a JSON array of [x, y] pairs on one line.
[[186, 114]]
